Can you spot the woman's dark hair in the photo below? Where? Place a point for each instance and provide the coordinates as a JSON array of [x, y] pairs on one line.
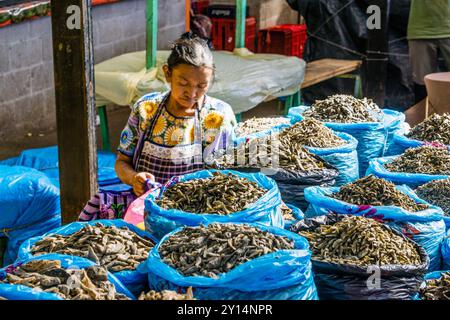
[[191, 49]]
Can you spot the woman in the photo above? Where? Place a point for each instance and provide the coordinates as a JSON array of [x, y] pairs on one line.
[[169, 134]]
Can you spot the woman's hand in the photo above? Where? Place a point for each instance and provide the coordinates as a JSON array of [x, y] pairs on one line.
[[140, 181]]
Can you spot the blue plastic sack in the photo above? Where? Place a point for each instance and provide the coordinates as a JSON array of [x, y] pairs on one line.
[[46, 160], [9, 161], [426, 227], [20, 292], [281, 275], [371, 136], [401, 143], [393, 121], [298, 215], [133, 280], [29, 206], [265, 210], [412, 180], [445, 251]]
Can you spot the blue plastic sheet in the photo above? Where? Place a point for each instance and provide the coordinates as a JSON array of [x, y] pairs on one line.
[[133, 280], [445, 251], [426, 227], [46, 160], [281, 275], [266, 209], [371, 136], [413, 180], [29, 206], [298, 215], [20, 292]]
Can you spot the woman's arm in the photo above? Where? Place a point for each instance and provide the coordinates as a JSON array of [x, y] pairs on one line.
[[126, 173]]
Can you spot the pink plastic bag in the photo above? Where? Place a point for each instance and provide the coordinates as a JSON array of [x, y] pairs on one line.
[[135, 211]]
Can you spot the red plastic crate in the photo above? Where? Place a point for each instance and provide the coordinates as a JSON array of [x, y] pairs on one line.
[[224, 34], [200, 6], [286, 39]]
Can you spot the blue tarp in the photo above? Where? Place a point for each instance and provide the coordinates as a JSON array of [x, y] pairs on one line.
[[133, 280], [20, 292], [445, 250], [281, 275], [413, 180], [426, 227], [266, 209], [29, 206]]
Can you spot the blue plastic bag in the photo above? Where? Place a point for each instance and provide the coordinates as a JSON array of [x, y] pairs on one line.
[[426, 227], [281, 275], [298, 215], [29, 206], [393, 121], [46, 160], [412, 180], [133, 280], [445, 251], [371, 136], [266, 210], [20, 292]]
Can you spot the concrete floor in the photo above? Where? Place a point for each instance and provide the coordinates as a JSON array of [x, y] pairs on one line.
[[117, 118]]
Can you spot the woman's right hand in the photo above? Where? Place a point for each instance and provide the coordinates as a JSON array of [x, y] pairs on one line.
[[140, 182]]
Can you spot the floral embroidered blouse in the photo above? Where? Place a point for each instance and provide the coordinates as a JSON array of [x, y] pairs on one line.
[[216, 117]]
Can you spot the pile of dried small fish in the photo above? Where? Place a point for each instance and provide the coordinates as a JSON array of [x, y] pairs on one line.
[[434, 129], [220, 194], [436, 192], [259, 124], [167, 295], [117, 249], [218, 248], [274, 151], [287, 212], [90, 283], [360, 241], [426, 159], [344, 109], [436, 289], [376, 192], [312, 133]]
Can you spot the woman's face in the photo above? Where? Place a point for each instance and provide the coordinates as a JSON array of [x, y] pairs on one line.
[[188, 83]]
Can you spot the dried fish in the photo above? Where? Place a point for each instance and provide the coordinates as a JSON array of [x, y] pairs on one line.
[[343, 108], [167, 295], [436, 192], [312, 133], [436, 289], [118, 249], [220, 194], [287, 212], [426, 159], [376, 192], [259, 124], [90, 283], [361, 241], [218, 248], [433, 129]]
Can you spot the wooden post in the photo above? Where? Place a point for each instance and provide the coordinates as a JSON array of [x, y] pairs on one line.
[[376, 63], [152, 29], [75, 104], [241, 7]]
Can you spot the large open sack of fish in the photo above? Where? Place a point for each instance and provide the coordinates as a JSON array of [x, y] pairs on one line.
[[436, 286], [114, 244], [213, 196], [233, 262], [358, 258], [361, 118], [281, 158], [29, 206], [437, 193], [397, 206], [416, 166], [435, 129], [445, 251], [56, 277]]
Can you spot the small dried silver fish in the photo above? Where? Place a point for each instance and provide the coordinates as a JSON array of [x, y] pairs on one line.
[[436, 192], [254, 125], [433, 129], [436, 289], [167, 295]]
